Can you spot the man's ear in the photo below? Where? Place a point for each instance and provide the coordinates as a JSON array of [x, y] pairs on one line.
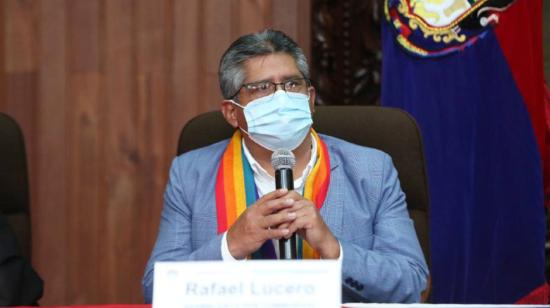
[[312, 93], [229, 112]]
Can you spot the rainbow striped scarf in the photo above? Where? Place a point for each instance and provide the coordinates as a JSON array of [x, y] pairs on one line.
[[236, 190]]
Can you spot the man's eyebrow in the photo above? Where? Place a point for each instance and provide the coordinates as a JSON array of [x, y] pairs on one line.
[[285, 78], [258, 81], [296, 76]]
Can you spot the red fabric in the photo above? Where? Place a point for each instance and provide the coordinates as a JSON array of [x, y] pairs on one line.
[[220, 201], [538, 296], [95, 306], [322, 195], [520, 36]]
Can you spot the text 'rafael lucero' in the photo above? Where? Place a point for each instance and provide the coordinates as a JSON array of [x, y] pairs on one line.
[[250, 288], [303, 283]]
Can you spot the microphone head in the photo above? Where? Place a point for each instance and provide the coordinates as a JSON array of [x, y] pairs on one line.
[[282, 159]]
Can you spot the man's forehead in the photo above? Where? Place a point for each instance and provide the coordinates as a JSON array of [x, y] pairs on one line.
[[273, 67]]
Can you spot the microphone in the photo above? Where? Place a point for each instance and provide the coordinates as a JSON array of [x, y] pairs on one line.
[[283, 161]]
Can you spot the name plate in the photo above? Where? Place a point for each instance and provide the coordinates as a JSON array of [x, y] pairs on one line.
[[213, 284]]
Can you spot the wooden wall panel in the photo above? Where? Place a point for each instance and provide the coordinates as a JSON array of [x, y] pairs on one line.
[[83, 32], [20, 65], [289, 13], [84, 138], [121, 156], [102, 89], [85, 211], [187, 57], [218, 23], [49, 184], [252, 15], [20, 35]]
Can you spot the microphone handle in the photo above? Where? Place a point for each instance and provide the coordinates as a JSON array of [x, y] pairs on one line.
[[284, 179], [287, 247]]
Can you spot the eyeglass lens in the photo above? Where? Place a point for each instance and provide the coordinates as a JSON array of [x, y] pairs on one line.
[[265, 88]]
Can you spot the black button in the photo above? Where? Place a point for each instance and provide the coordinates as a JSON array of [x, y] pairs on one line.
[[360, 287], [348, 280]]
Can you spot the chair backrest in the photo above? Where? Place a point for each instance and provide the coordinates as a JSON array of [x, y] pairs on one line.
[[388, 129], [14, 190]]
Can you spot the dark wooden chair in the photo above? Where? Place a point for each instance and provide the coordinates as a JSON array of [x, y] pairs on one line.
[[14, 188]]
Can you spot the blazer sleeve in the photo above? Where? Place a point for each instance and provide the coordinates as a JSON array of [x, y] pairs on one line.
[[393, 269], [174, 241]]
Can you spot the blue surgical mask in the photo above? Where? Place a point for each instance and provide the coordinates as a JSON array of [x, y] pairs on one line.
[[278, 121]]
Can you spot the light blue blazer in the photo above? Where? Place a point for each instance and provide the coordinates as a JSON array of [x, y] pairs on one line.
[[365, 209]]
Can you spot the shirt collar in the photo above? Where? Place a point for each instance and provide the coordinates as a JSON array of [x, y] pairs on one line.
[[262, 178]]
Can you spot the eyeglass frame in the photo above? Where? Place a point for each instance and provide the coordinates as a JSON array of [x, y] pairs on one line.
[[275, 84]]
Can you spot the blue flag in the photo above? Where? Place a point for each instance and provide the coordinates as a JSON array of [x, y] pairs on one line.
[[464, 69]]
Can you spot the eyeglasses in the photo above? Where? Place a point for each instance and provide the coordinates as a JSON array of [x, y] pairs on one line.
[[259, 89]]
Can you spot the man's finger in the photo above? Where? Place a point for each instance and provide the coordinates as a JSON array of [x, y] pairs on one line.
[[272, 206], [276, 194], [294, 195], [296, 206], [274, 220], [273, 195], [297, 224], [277, 233]]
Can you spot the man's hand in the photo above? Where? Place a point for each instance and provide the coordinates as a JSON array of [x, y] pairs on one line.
[[311, 227], [260, 223]]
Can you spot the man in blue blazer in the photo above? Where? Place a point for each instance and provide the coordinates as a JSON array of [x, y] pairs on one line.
[[347, 203]]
